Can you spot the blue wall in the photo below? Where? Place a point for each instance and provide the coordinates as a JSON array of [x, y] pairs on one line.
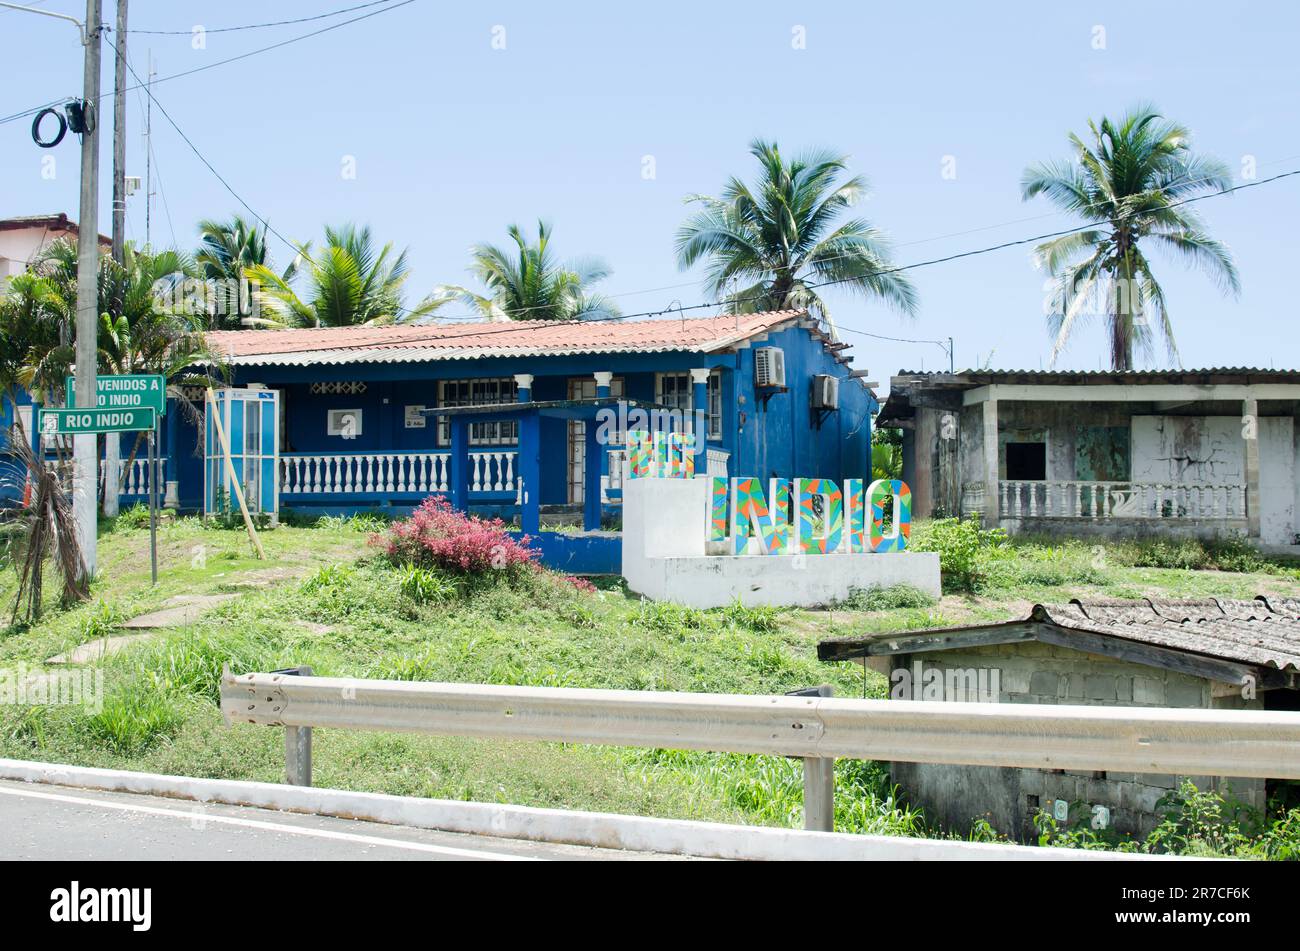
[[776, 438]]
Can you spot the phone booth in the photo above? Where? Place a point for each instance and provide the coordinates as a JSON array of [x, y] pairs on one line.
[[250, 422]]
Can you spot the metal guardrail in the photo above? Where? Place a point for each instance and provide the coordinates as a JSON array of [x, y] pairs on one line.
[[815, 728]]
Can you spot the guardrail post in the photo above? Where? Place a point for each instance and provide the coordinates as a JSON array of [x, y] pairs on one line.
[[297, 743], [818, 778]]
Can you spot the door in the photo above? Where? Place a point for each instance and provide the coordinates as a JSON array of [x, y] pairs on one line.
[[582, 388]]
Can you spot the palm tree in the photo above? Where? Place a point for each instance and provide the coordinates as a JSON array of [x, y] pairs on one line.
[[525, 282], [147, 331], [769, 245], [226, 250], [139, 331], [348, 283], [1131, 183]]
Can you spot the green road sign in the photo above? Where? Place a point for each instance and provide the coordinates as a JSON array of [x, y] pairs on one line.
[[128, 392], [71, 422]]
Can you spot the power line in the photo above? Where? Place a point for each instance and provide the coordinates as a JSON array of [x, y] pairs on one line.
[[200, 155], [233, 59], [261, 26], [918, 264], [955, 234], [679, 308]]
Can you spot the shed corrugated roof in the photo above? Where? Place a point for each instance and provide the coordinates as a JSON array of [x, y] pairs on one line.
[[402, 343], [1264, 632]]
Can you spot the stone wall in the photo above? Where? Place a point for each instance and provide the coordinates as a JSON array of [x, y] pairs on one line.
[[1039, 673]]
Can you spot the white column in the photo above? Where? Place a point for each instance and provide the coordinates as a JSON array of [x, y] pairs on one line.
[[990, 416], [1250, 429]]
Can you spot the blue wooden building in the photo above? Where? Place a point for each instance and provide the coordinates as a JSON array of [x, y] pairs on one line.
[[520, 419]]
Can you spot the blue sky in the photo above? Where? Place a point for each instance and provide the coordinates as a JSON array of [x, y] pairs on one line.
[[454, 139]]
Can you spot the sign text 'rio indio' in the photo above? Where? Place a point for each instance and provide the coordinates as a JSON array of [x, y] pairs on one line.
[[827, 518]]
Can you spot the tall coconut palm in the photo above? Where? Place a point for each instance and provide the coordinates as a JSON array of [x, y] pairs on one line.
[[141, 329], [526, 282], [768, 245], [226, 250], [348, 283], [227, 247], [1130, 181], [151, 330]]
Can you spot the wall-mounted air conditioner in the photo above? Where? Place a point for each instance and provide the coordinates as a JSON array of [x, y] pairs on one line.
[[825, 391], [769, 366]]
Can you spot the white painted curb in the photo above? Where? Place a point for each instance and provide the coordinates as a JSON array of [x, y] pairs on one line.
[[594, 829]]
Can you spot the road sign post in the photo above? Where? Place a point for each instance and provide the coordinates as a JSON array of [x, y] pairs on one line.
[[132, 418], [131, 392], [153, 505], [76, 422], [134, 391]]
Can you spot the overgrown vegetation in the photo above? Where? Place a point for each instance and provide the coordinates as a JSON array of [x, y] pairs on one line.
[[1195, 822], [976, 560], [885, 599], [324, 600]]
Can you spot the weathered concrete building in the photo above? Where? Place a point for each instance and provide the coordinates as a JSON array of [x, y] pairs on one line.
[[1211, 654], [1188, 452]]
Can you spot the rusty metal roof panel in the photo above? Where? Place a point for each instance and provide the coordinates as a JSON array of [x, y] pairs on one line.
[[402, 343], [1246, 631], [1262, 632]]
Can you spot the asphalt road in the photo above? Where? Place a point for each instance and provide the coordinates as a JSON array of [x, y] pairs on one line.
[[63, 823]]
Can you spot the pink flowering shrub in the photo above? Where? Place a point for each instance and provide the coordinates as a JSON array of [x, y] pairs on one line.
[[582, 584], [436, 535]]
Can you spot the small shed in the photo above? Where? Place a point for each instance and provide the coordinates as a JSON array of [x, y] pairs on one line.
[[1213, 653]]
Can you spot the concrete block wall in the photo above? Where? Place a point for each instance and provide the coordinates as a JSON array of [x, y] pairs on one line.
[[1044, 674]]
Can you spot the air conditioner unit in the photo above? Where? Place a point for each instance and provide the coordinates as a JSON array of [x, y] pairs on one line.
[[769, 366], [825, 392]]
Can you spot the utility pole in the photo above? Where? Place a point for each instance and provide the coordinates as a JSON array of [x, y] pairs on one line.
[[85, 447], [113, 441], [119, 137], [148, 155]]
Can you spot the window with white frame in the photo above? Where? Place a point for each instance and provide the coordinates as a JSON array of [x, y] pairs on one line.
[[715, 404], [676, 391], [483, 392]]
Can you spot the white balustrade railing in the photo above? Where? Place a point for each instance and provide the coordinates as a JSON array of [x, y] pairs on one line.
[[617, 470], [492, 471], [718, 462], [305, 473], [1106, 500], [137, 475]]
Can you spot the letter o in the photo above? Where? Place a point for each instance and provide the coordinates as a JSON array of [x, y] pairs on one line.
[[877, 493]]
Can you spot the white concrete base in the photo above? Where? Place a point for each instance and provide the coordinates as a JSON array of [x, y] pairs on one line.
[[779, 581], [664, 543]]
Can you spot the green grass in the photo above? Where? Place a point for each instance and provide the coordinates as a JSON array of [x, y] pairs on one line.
[[322, 600]]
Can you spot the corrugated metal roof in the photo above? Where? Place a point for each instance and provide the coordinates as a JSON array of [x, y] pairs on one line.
[[907, 383], [1253, 632], [1264, 632], [1189, 375], [429, 342]]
